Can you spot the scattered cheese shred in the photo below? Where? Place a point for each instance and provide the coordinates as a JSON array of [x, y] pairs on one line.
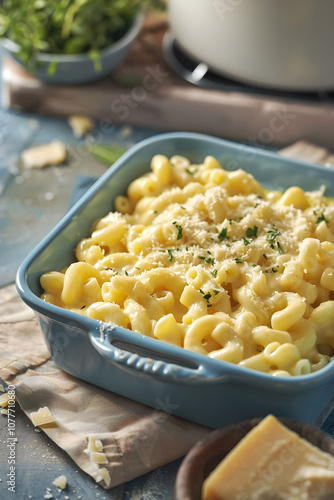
[[60, 482], [98, 457], [42, 417], [4, 412], [45, 154], [2, 389], [94, 444], [4, 399], [80, 124], [103, 475]]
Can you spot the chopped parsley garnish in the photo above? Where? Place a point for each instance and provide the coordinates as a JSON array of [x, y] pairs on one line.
[[191, 172], [239, 261], [126, 273], [207, 296], [272, 234], [170, 253], [216, 292], [246, 242], [321, 219], [264, 255], [279, 248], [215, 272], [223, 234], [155, 211], [179, 228], [274, 269], [202, 257], [83, 307], [201, 291], [250, 232], [210, 260]]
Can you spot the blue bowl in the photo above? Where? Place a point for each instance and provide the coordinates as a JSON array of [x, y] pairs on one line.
[[147, 370], [79, 68]]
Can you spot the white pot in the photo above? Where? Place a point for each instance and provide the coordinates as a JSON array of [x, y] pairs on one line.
[[282, 44]]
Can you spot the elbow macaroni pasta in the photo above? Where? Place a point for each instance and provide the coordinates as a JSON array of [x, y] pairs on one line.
[[210, 261]]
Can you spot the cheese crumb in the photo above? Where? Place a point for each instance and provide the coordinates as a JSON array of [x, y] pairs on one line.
[[94, 444], [4, 411], [98, 457], [44, 154], [4, 399], [103, 475], [80, 124], [42, 417], [2, 389], [60, 481]]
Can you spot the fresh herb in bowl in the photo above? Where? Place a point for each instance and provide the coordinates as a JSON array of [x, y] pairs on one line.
[[66, 27]]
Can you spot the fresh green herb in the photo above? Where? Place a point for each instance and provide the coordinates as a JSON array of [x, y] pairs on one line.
[[272, 234], [216, 292], [223, 234], [155, 211], [171, 256], [238, 261], [207, 296], [201, 291], [126, 273], [246, 242], [264, 255], [215, 272], [321, 219], [83, 307], [210, 260], [202, 257], [106, 153], [250, 232], [279, 248], [67, 26], [191, 172], [179, 234], [274, 269]]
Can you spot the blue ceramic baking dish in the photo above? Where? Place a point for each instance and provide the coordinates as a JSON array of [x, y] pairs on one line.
[[164, 376]]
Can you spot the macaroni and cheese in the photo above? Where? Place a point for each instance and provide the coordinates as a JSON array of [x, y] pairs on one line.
[[209, 260]]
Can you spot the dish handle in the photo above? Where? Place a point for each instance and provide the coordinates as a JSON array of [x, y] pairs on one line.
[[117, 345]]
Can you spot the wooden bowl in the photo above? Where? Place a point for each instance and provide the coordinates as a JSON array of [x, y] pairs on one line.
[[206, 454]]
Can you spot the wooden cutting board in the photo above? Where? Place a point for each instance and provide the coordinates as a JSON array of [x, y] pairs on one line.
[[146, 92]]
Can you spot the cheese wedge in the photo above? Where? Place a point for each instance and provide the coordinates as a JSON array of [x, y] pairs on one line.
[[272, 463]]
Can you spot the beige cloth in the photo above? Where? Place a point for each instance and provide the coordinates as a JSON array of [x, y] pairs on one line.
[[136, 438]]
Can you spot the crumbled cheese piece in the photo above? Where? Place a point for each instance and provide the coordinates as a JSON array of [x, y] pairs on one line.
[[42, 417], [2, 389], [103, 475], [126, 131], [60, 481], [98, 457], [80, 124], [4, 411], [94, 444], [45, 154], [4, 399]]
